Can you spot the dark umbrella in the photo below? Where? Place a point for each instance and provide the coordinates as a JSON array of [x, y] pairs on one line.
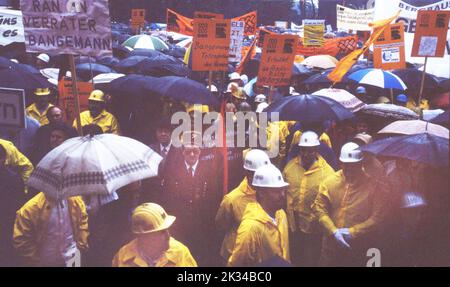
[[145, 52], [442, 119], [322, 78], [413, 77], [425, 148], [129, 63], [89, 70], [308, 109], [15, 77], [108, 61], [162, 65], [133, 85], [28, 68], [299, 69]]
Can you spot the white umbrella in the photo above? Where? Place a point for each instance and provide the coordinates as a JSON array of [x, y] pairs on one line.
[[343, 97], [415, 127], [93, 165], [106, 78], [390, 111]]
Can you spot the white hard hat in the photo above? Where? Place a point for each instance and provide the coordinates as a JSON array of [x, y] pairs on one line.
[[291, 90], [229, 90], [268, 176], [309, 139], [255, 158], [234, 76], [412, 199], [244, 79], [260, 108], [14, 61], [350, 153], [213, 89], [260, 98], [44, 58]]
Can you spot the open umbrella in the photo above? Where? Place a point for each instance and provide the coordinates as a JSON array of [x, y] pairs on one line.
[[343, 97], [443, 118], [108, 61], [413, 77], [16, 77], [424, 147], [378, 78], [300, 69], [129, 63], [415, 127], [145, 42], [389, 111], [320, 61], [88, 70], [308, 109], [145, 52], [162, 65], [90, 165], [106, 78]]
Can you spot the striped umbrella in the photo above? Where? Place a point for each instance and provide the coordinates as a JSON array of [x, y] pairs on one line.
[[145, 42], [378, 78]]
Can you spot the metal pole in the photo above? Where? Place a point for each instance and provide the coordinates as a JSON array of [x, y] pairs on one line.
[[75, 94]]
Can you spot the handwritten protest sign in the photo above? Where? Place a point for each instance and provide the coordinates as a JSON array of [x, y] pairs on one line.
[[211, 45], [71, 27], [67, 100], [351, 19], [207, 15], [313, 31], [277, 59], [237, 37], [11, 27], [431, 33], [389, 48]]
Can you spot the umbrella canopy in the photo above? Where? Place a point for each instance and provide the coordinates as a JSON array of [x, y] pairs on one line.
[[145, 42], [145, 52], [16, 77], [108, 61], [413, 77], [378, 78], [320, 61], [415, 127], [343, 97], [129, 62], [106, 78], [443, 118], [308, 109], [300, 69], [163, 65], [424, 147], [88, 70], [390, 111], [88, 165]]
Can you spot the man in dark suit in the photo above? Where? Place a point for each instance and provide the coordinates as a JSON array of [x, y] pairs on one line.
[[192, 193]]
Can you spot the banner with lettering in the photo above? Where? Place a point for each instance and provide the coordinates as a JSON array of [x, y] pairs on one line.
[[11, 27]]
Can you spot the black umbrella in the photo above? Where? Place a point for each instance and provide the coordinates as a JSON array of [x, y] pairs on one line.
[[16, 77], [129, 63], [413, 78], [162, 66], [145, 52], [442, 119], [299, 69], [87, 71], [108, 61], [308, 109]]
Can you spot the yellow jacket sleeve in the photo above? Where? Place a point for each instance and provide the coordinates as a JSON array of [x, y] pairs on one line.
[[16, 159], [224, 217], [321, 207], [81, 224], [245, 252], [187, 260], [115, 129], [24, 238]]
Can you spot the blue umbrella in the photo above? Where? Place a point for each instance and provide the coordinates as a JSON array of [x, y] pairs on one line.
[[133, 85], [308, 109], [16, 77], [162, 66], [378, 78], [145, 52], [108, 61], [89, 70], [442, 119], [248, 88], [425, 148], [130, 63]]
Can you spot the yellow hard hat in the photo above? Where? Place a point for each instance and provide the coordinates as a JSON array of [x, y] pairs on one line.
[[383, 100], [198, 108], [97, 95], [150, 217], [42, 92]]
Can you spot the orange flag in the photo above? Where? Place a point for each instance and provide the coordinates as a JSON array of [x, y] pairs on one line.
[[348, 61]]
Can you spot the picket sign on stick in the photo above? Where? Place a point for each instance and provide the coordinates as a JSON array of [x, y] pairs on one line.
[[73, 70]]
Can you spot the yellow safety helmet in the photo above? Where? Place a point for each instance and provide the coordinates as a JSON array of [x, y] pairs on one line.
[[149, 218], [97, 95], [42, 92], [197, 108]]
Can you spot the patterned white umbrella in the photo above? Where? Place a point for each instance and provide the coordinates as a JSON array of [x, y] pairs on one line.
[[94, 165], [145, 42], [343, 97]]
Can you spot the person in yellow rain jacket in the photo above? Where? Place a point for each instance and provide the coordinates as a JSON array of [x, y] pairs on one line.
[[153, 246], [15, 159], [98, 115], [38, 110], [234, 203], [263, 235], [351, 206], [49, 232], [277, 133], [304, 173]]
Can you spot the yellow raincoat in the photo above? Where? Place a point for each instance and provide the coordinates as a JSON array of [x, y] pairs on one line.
[[259, 239], [15, 158], [105, 120], [230, 214], [360, 208], [302, 191], [32, 111], [281, 129], [178, 255], [31, 224]]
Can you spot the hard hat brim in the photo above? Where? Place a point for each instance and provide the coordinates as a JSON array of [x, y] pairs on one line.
[[170, 219], [96, 100], [347, 160], [43, 94]]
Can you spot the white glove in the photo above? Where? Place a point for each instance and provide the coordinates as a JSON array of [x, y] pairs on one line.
[[339, 237], [346, 233]]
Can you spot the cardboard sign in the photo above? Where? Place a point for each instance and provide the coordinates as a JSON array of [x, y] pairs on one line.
[[236, 41], [67, 27], [11, 27], [351, 19], [12, 108], [333, 47], [389, 48], [211, 45], [137, 18], [277, 59], [207, 15], [313, 31], [431, 33], [67, 100]]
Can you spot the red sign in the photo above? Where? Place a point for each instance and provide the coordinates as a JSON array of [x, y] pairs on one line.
[[67, 100], [389, 48]]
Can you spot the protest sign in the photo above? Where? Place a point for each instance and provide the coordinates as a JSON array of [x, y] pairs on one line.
[[211, 45], [237, 37], [207, 15], [313, 31], [333, 47], [389, 48], [12, 108], [431, 33], [11, 27], [277, 59], [137, 18], [281, 24], [70, 27], [351, 19], [67, 99]]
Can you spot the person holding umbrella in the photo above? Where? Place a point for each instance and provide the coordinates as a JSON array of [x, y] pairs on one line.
[[38, 110], [98, 115], [351, 206], [153, 246], [263, 232]]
